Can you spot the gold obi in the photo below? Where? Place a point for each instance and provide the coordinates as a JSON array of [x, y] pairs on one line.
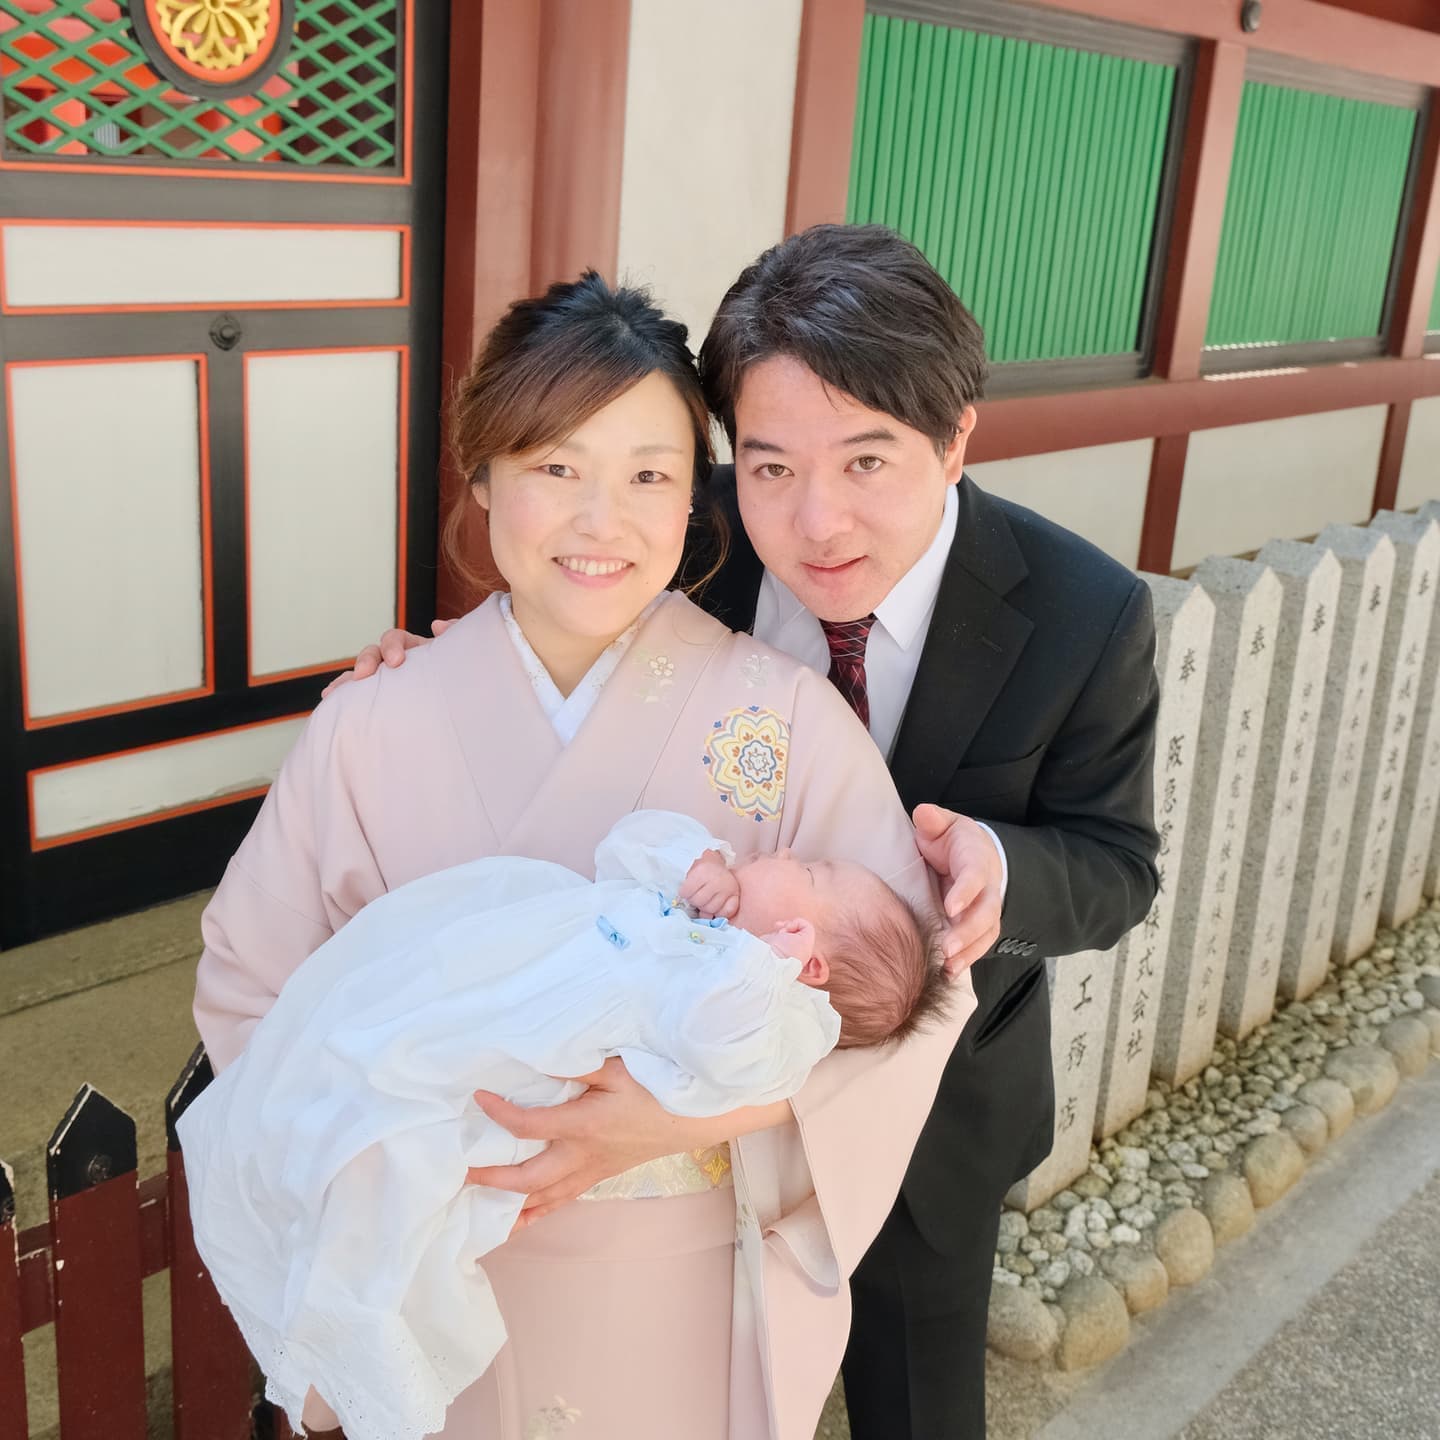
[[692, 1170]]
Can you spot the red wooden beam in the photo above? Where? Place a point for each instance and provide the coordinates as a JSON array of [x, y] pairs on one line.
[[1162, 504], [827, 77], [489, 195], [1420, 249], [1038, 424], [1392, 454], [1214, 116], [584, 61], [1306, 29]]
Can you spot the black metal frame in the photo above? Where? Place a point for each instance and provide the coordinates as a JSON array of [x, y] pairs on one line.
[[54, 889]]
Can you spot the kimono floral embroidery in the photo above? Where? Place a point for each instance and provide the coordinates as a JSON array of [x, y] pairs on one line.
[[755, 671], [548, 1423], [747, 756], [713, 1161], [657, 675]]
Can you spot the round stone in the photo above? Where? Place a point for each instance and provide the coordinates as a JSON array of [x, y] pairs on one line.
[[1308, 1126], [1019, 1324], [1272, 1164], [1139, 1276], [1125, 1235], [1408, 1041], [1013, 1227], [1370, 1075], [1091, 1186], [1429, 987], [1055, 1274], [1431, 1020], [1045, 1219], [1019, 1265], [1097, 1324], [1128, 1193], [1185, 1245], [1333, 1100], [1054, 1242], [1226, 1204]]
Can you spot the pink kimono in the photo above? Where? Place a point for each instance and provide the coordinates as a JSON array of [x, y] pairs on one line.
[[720, 1313]]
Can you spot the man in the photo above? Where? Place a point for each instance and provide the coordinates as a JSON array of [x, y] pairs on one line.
[[1002, 664]]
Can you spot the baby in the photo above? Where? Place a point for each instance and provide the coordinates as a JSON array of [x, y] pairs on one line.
[[327, 1165]]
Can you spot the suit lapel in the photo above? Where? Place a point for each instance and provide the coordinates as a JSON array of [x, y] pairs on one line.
[[974, 641]]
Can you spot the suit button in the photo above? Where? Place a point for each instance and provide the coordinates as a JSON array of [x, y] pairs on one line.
[[1031, 948]]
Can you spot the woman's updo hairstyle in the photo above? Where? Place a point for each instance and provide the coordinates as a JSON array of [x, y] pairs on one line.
[[552, 362]]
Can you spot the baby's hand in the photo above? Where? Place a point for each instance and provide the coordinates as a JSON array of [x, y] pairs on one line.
[[711, 887]]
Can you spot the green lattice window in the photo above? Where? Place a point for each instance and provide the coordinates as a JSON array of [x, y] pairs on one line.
[[1311, 217], [76, 83], [1028, 173]]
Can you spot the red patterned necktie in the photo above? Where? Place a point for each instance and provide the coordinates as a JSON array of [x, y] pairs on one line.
[[846, 639]]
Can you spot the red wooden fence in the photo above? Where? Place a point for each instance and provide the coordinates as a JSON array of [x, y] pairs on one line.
[[82, 1271]]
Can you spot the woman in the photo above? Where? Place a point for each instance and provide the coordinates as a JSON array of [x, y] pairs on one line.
[[703, 1291]]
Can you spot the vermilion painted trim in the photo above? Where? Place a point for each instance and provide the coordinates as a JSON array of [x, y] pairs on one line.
[[399, 301], [822, 133], [273, 170], [1038, 424], [1420, 252], [172, 813], [206, 568], [1214, 115], [1392, 456], [1306, 29], [402, 486], [580, 139]]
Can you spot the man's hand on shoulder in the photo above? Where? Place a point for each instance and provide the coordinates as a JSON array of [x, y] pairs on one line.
[[390, 651], [971, 871]]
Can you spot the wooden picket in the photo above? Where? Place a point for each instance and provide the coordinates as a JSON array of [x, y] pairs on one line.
[[83, 1269]]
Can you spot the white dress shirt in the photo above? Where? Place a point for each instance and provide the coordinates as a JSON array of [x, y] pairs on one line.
[[892, 653]]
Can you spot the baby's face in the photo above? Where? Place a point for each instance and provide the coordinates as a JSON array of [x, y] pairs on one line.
[[776, 888]]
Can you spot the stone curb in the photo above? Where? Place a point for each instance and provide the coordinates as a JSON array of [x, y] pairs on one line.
[[1150, 1212]]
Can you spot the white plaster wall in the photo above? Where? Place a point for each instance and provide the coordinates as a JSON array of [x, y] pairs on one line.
[[1420, 467], [708, 109], [1277, 479], [1099, 492]]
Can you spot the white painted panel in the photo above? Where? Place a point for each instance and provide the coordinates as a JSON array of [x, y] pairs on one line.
[[107, 479], [1098, 492], [187, 265], [118, 788], [706, 166], [1420, 467], [323, 447], [1276, 480]]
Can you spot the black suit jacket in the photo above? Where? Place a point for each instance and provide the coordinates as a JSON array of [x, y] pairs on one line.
[[1033, 709]]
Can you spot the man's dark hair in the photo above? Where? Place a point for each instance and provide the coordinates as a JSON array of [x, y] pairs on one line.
[[861, 307]]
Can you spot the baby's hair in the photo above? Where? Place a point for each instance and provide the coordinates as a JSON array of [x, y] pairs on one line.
[[886, 976]]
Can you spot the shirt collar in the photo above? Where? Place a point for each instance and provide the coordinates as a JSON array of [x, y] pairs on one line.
[[905, 611]]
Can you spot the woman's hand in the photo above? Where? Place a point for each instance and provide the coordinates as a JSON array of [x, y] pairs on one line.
[[614, 1125]]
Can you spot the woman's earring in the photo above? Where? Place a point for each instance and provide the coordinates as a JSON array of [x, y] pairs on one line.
[[692, 509]]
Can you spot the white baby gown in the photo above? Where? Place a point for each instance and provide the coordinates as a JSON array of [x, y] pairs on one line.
[[327, 1165]]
